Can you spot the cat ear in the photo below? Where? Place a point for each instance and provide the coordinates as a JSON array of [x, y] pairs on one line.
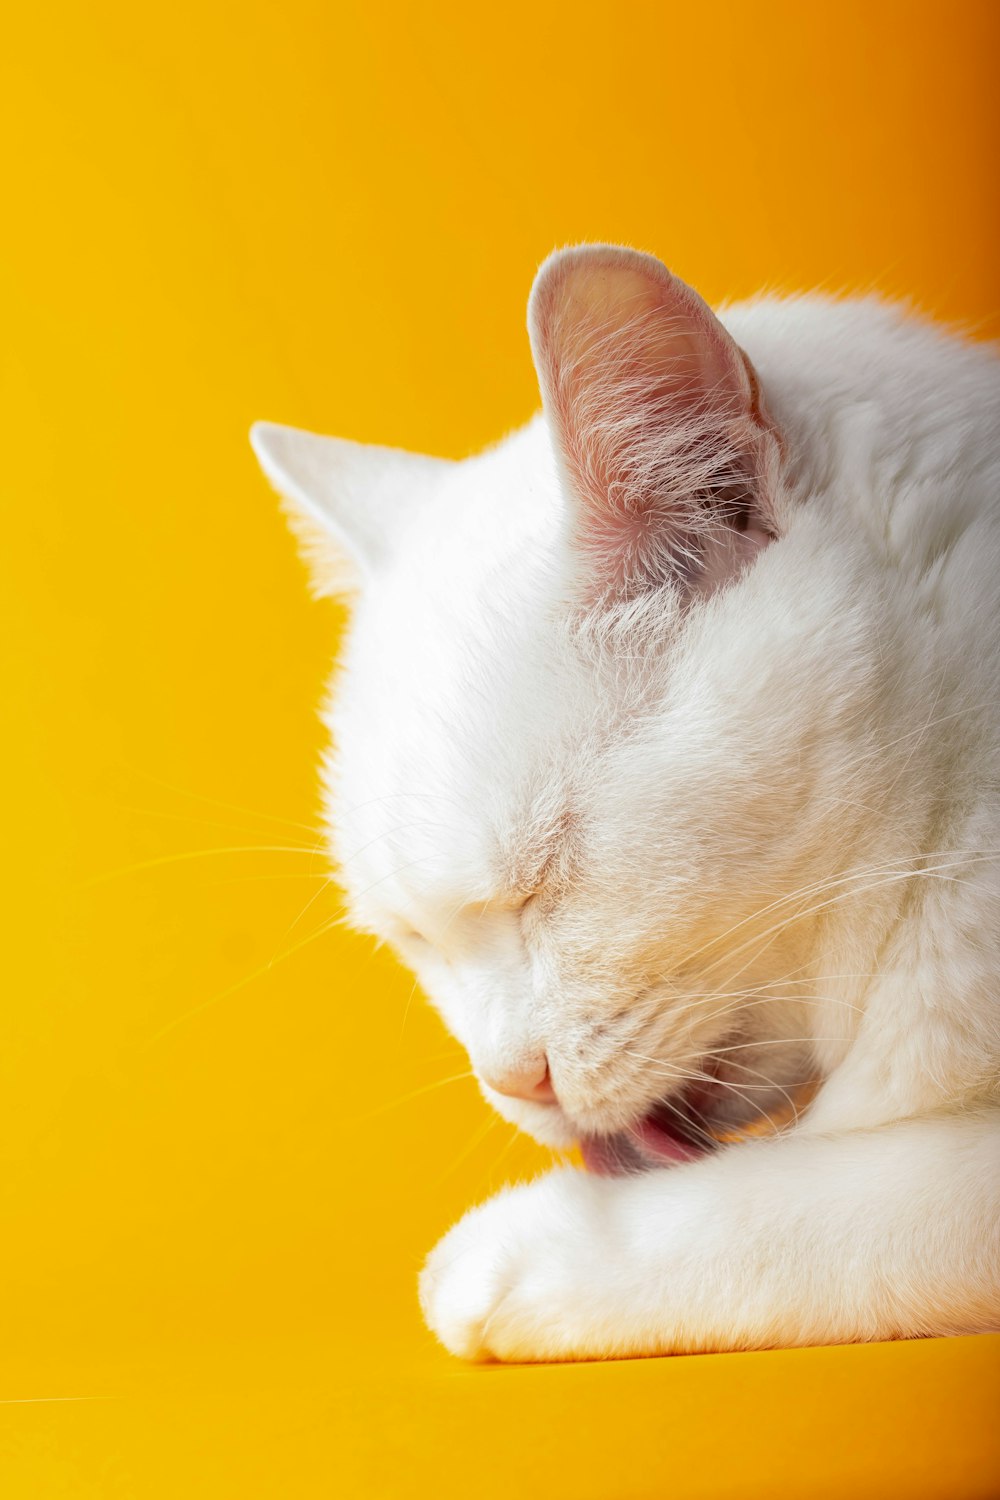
[[346, 502], [658, 421]]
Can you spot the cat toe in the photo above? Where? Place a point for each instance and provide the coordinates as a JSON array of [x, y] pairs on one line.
[[461, 1286], [508, 1281]]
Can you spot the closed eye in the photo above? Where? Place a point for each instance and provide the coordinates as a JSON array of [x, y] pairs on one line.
[[513, 901], [513, 904]]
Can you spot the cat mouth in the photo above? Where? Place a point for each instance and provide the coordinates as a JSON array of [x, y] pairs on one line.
[[667, 1135], [677, 1130]]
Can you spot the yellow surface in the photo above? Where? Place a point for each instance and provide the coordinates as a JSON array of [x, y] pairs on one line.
[[224, 1150]]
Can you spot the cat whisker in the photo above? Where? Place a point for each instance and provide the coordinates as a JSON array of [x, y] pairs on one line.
[[162, 860], [270, 875], [181, 817], [406, 1012], [348, 812], [666, 1103], [308, 907], [503, 1153], [749, 998], [698, 1075], [427, 1088], [768, 1086], [819, 887], [239, 984], [216, 802], [894, 876], [475, 1140], [386, 833]]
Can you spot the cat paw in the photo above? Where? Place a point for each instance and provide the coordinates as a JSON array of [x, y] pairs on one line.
[[515, 1278]]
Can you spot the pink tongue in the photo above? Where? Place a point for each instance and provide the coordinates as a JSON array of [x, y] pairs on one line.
[[648, 1142], [662, 1145]]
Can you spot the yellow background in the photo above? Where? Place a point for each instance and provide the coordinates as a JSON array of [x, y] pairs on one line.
[[223, 1150]]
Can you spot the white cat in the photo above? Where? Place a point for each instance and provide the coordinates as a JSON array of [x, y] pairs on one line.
[[666, 753]]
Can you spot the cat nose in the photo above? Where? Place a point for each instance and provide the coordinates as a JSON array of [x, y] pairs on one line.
[[523, 1080]]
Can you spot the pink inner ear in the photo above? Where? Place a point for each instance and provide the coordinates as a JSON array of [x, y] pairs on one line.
[[658, 420]]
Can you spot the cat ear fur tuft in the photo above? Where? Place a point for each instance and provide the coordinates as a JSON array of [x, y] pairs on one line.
[[345, 502]]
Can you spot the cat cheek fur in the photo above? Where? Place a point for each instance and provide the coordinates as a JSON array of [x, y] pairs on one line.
[[718, 639]]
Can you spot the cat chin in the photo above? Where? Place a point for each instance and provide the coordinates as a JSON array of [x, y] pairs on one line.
[[546, 1123]]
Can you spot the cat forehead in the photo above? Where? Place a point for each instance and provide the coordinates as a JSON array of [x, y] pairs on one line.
[[477, 710]]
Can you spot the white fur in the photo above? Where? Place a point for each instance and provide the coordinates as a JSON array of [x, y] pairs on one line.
[[767, 815]]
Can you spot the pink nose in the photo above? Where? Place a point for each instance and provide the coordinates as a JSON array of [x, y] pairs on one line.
[[527, 1080]]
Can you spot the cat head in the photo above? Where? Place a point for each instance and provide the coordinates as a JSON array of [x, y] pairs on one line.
[[569, 762]]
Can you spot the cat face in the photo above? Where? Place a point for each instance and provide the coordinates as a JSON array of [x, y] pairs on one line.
[[570, 774]]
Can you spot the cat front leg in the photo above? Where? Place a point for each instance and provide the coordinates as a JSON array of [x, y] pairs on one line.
[[893, 1232]]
